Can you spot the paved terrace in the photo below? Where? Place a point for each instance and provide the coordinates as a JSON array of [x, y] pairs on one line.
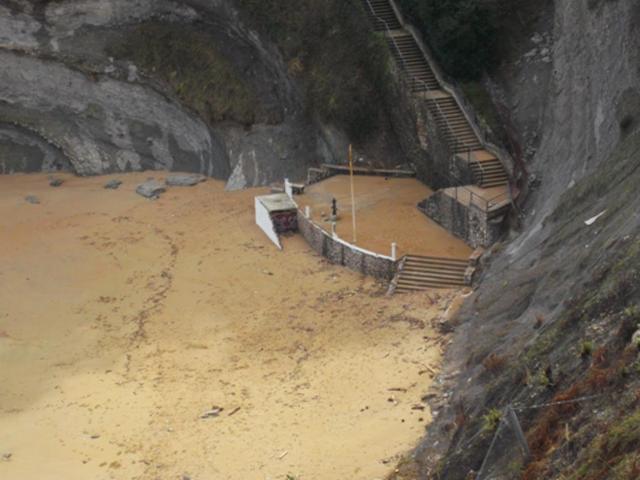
[[386, 212]]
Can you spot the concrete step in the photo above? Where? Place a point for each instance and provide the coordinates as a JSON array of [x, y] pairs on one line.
[[459, 133], [409, 278], [428, 284], [486, 168], [461, 128], [484, 181], [424, 272], [434, 270], [459, 136], [449, 116], [431, 268], [494, 184], [413, 280], [422, 67], [438, 260], [465, 147], [492, 174], [457, 123], [422, 288]]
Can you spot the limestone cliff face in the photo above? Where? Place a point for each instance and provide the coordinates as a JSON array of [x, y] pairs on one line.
[[66, 96], [574, 94]]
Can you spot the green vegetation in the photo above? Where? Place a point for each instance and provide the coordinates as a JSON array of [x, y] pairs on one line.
[[491, 420], [188, 61], [465, 34], [342, 64], [586, 348], [613, 454]]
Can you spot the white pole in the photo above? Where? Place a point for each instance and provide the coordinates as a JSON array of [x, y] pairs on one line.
[[394, 250], [333, 230], [307, 211]]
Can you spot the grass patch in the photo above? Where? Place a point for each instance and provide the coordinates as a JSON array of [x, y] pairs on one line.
[[613, 454], [491, 420], [586, 348], [186, 59]]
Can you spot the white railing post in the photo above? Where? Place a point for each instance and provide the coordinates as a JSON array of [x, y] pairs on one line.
[[307, 211], [333, 230], [287, 188], [394, 251]]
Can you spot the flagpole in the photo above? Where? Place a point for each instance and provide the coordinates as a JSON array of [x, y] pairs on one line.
[[353, 196]]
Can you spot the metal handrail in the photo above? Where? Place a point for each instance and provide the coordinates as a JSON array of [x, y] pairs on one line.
[[453, 87], [414, 81]]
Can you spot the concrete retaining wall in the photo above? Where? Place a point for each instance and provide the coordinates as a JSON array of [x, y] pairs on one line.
[[470, 223], [342, 253]]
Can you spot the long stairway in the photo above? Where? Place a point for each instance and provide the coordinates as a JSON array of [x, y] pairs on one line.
[[383, 16], [488, 173], [411, 60], [452, 122], [458, 132], [421, 273], [417, 273]]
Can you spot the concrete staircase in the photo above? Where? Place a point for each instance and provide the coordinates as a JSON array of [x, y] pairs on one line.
[[452, 122], [411, 60], [489, 173], [384, 16], [458, 132], [418, 273]]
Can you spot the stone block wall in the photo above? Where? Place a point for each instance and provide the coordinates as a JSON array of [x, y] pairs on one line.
[[468, 222], [315, 175], [342, 253]]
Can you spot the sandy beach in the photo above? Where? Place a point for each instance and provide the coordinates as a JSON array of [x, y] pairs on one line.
[[124, 322]]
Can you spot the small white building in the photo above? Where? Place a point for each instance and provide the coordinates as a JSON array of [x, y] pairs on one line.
[[276, 214]]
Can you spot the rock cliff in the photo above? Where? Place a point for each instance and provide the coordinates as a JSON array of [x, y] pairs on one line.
[[553, 316], [66, 102]]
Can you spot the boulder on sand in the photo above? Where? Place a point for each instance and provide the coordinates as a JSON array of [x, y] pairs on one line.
[[113, 184], [150, 189], [185, 180]]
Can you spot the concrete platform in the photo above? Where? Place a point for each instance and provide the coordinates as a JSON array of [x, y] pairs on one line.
[[477, 156], [491, 198], [386, 212]]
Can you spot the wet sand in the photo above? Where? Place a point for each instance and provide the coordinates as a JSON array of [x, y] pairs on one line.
[[385, 213], [123, 320]]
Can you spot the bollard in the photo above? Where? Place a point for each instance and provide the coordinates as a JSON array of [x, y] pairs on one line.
[[307, 211], [394, 251], [333, 230]]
